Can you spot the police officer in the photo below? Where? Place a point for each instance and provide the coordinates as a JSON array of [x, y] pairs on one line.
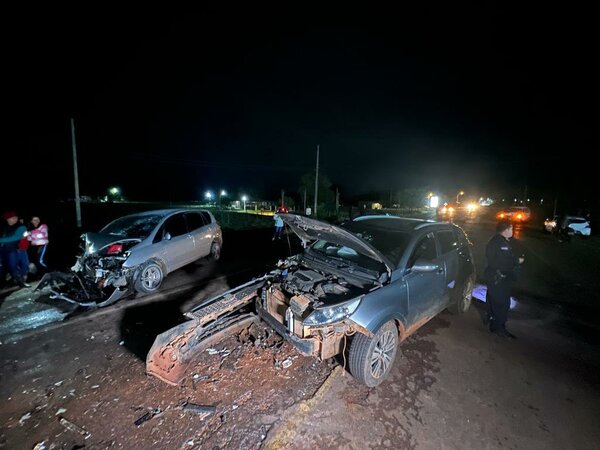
[[500, 274]]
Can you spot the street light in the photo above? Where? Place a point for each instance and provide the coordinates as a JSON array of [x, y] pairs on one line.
[[221, 194], [208, 195], [459, 194], [244, 199]]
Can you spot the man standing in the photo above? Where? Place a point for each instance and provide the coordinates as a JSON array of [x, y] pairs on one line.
[[500, 274], [9, 245], [278, 225]]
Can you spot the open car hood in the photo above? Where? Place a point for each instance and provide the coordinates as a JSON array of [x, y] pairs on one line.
[[311, 230], [94, 242]]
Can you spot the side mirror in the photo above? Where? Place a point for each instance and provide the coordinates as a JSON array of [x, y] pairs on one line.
[[167, 236], [424, 265]]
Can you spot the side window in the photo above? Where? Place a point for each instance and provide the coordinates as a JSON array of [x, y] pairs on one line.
[[206, 217], [425, 249], [448, 241], [194, 221], [176, 226]]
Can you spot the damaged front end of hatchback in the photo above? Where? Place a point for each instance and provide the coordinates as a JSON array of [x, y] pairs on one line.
[[100, 275]]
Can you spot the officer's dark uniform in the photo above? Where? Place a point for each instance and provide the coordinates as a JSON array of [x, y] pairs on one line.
[[500, 275]]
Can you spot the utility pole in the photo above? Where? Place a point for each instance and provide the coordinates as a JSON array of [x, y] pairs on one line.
[[304, 200], [555, 205], [337, 201], [317, 182], [76, 175], [282, 202]]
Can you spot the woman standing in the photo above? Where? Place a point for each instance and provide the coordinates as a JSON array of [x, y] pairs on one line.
[[38, 236]]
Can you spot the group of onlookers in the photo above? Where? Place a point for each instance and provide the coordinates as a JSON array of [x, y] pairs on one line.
[[20, 245]]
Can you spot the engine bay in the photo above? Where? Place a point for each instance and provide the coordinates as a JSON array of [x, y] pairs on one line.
[[298, 288]]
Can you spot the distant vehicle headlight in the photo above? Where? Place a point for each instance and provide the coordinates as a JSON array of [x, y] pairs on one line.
[[471, 207], [337, 313]]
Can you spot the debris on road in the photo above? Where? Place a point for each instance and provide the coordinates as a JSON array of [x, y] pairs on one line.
[[72, 427], [202, 410], [149, 415], [24, 417]]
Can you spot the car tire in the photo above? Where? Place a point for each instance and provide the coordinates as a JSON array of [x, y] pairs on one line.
[[215, 251], [149, 278], [463, 297], [371, 358]]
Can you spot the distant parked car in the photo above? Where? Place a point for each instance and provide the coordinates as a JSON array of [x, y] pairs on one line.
[[515, 214], [361, 287], [135, 253], [577, 225]]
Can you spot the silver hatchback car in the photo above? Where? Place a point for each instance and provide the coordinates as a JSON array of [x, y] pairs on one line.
[[134, 254]]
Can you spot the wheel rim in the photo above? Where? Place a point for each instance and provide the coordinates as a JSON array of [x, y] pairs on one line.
[[215, 251], [383, 354], [151, 277]]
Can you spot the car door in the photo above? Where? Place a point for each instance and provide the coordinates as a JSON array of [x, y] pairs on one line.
[[199, 230], [425, 288], [449, 247], [178, 244]]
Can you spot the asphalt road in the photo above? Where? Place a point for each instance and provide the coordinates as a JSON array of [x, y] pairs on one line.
[[454, 385]]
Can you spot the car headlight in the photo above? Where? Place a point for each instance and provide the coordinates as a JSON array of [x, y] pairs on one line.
[[337, 313]]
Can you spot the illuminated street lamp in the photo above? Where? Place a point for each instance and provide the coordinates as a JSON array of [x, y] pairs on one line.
[[244, 199], [221, 194], [458, 195], [208, 195], [114, 190]]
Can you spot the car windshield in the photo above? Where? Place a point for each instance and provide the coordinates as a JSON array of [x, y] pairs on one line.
[[390, 241], [346, 256], [137, 227]]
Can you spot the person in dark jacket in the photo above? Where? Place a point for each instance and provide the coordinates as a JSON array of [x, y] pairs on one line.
[[9, 245], [500, 275]]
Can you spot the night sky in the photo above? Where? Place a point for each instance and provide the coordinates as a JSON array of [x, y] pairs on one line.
[[171, 103]]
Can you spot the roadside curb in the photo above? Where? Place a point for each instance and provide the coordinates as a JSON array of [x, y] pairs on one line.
[[284, 433]]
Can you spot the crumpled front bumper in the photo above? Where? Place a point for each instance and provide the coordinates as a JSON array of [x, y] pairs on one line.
[[68, 286]]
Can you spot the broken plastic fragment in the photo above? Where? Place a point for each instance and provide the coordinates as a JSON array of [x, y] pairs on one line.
[[24, 417], [201, 410], [149, 415], [72, 427]]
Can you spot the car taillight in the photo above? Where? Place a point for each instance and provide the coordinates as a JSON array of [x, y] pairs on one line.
[[114, 249], [519, 216]]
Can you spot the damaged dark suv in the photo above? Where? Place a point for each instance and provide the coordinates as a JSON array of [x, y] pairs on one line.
[[134, 254], [362, 287]]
